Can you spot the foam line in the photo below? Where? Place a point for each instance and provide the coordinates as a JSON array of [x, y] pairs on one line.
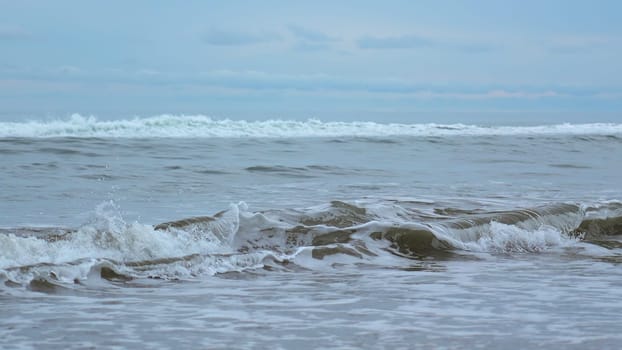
[[200, 126]]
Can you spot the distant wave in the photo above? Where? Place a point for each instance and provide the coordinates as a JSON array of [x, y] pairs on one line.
[[206, 127]]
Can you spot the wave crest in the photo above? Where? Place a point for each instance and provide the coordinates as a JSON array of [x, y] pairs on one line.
[[109, 250], [201, 126]]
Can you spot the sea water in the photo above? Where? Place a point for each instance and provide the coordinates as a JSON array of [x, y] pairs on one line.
[[192, 232]]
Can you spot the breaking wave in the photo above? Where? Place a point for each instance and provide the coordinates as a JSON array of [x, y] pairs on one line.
[[205, 127], [109, 250]]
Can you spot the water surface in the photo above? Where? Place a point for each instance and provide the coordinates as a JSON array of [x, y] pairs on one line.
[[307, 235]]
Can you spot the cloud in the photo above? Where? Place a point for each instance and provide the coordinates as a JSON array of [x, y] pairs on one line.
[[68, 69], [309, 40], [262, 81], [257, 82], [310, 35], [577, 44], [237, 38], [13, 33], [475, 48], [395, 42], [522, 94], [418, 42]]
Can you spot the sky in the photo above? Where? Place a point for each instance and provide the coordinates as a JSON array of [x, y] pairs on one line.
[[331, 60]]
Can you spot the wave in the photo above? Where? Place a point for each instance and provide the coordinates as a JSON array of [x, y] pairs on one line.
[[199, 126], [107, 249]]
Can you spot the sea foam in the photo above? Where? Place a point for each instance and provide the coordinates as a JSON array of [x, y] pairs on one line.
[[200, 126]]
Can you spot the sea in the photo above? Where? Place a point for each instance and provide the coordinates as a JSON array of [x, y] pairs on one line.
[[191, 232]]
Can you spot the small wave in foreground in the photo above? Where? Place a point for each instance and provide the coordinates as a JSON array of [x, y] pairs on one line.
[[389, 235]]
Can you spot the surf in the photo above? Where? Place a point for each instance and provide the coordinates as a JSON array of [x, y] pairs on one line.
[[202, 126], [237, 240]]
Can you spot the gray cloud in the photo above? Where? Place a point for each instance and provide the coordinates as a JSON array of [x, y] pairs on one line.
[[13, 33], [577, 45], [395, 42], [476, 48], [233, 38], [258, 82], [261, 81], [419, 42], [310, 35], [573, 49], [311, 46]]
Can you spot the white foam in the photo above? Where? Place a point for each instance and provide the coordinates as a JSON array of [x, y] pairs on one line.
[[131, 248], [205, 127], [502, 238]]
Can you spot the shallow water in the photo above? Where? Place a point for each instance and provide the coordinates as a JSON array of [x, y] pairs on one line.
[[491, 237], [492, 303]]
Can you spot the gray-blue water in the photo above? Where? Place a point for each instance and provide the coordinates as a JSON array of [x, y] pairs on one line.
[[501, 239]]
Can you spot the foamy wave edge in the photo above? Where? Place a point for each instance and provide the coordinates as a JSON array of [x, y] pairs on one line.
[[201, 126]]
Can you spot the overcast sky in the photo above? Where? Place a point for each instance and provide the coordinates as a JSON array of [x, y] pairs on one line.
[[397, 60]]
